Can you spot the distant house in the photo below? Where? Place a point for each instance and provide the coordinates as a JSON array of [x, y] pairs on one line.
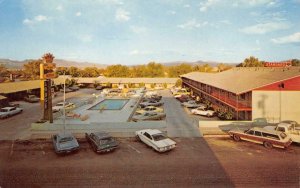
[[252, 92]]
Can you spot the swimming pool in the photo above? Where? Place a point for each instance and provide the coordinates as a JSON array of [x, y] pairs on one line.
[[110, 104]]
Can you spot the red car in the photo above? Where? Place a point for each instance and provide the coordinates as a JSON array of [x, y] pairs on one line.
[[262, 136]]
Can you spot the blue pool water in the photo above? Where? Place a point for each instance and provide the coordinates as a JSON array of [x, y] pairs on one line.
[[110, 104]]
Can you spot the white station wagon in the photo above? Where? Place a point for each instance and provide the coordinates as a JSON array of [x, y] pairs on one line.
[[155, 139]]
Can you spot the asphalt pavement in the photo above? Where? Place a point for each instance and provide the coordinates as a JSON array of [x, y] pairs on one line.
[[17, 127]]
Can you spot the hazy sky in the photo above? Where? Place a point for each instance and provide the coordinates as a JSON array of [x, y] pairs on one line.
[[139, 31]]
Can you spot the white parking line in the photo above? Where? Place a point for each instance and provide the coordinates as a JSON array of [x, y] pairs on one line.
[[12, 148], [134, 149]]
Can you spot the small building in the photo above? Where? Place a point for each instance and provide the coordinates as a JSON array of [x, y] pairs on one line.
[[250, 92], [129, 82]]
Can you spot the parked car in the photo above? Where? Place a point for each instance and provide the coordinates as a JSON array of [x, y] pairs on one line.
[[31, 98], [291, 128], [184, 98], [74, 88], [67, 90], [149, 109], [269, 138], [149, 116], [9, 111], [60, 106], [192, 104], [101, 142], [182, 91], [64, 143], [155, 139], [99, 87], [151, 103], [203, 111]]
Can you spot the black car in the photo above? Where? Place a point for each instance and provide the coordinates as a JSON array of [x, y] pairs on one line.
[[64, 143], [101, 142]]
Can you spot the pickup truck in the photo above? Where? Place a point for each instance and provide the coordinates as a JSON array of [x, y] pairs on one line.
[[290, 128], [9, 111]]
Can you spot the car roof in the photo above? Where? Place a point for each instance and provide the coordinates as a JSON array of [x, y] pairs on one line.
[[265, 130], [153, 131], [64, 134], [6, 108], [101, 135]]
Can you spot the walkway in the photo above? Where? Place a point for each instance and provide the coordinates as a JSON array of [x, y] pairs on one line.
[[179, 124]]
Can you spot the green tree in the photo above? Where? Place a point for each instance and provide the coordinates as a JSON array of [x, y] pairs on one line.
[[3, 71], [203, 68], [62, 71], [90, 72], [155, 70], [295, 62], [32, 69], [176, 71], [74, 71], [117, 71], [252, 62], [178, 83]]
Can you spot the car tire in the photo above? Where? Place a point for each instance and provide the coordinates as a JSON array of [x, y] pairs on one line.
[[137, 138], [268, 145], [236, 138]]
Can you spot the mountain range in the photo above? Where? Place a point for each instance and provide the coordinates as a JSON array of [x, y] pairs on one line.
[[14, 64]]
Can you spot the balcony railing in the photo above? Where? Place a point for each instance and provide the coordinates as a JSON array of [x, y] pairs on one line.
[[234, 103]]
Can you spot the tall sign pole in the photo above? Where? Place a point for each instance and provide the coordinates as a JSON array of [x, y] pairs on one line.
[[46, 74]]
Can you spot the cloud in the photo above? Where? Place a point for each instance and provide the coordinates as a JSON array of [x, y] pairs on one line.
[[85, 38], [226, 22], [172, 12], [256, 3], [36, 19], [122, 15], [207, 4], [59, 8], [263, 28], [191, 24], [138, 52], [78, 14], [138, 30], [186, 6], [293, 38]]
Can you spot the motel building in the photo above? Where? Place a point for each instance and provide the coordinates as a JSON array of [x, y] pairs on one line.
[[250, 92]]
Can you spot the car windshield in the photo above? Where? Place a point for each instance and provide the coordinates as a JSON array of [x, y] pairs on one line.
[[3, 110], [66, 139], [283, 135], [59, 104], [158, 137]]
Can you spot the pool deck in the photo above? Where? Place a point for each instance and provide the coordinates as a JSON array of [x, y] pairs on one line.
[[100, 116]]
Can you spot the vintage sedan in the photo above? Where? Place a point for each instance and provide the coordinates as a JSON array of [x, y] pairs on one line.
[[101, 142], [149, 109], [263, 136], [151, 103], [192, 104], [203, 111], [31, 99], [149, 116], [9, 111], [64, 143], [155, 139], [60, 106]]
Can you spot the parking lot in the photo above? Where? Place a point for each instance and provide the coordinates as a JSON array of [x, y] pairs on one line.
[[209, 162]]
